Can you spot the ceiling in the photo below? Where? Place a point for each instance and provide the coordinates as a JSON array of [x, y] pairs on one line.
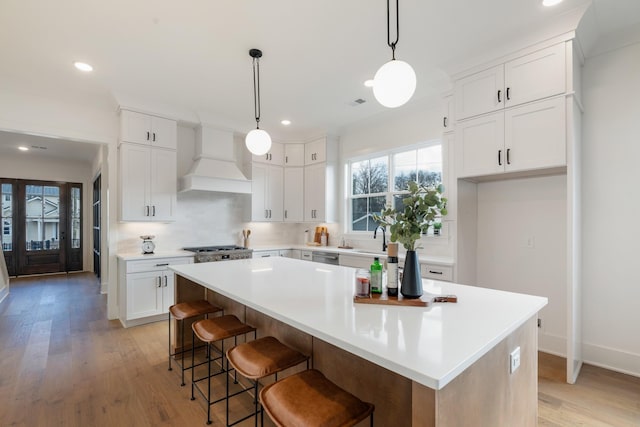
[[193, 54], [46, 147]]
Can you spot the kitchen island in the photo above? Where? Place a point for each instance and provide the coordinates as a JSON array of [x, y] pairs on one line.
[[447, 364]]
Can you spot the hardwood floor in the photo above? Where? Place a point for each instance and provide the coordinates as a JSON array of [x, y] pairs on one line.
[[63, 364]]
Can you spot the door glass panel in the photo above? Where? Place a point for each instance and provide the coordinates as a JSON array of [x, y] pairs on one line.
[[42, 222], [6, 235], [75, 217]]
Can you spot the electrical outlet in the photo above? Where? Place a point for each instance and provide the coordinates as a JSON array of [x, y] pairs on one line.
[[531, 242], [514, 360]]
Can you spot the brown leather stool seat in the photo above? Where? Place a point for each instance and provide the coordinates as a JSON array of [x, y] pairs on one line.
[[310, 399], [187, 310], [210, 331], [258, 359]]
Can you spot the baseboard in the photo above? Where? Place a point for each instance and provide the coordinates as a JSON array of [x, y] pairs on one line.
[[612, 359], [552, 344], [143, 320], [104, 288]]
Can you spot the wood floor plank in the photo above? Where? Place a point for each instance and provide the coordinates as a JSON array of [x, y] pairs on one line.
[[62, 363]]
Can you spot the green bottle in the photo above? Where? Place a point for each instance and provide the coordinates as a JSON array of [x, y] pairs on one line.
[[376, 276]]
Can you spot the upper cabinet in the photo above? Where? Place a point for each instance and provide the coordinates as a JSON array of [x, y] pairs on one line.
[[148, 130], [147, 183], [315, 151], [148, 167], [275, 156], [448, 119], [538, 75], [294, 154], [267, 186]]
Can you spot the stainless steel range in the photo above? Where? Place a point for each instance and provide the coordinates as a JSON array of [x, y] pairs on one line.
[[219, 253]]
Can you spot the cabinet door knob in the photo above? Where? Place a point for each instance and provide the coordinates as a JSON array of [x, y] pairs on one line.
[[444, 122], [499, 96], [159, 281], [500, 157], [154, 210], [508, 97], [146, 210], [148, 136], [285, 214], [508, 156], [166, 281]]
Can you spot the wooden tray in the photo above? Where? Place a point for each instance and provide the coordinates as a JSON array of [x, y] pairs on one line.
[[423, 301]]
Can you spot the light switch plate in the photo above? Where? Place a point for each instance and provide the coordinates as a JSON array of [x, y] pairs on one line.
[[514, 360]]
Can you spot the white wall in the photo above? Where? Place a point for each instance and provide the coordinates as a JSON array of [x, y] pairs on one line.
[[521, 246], [611, 208], [387, 133], [28, 166]]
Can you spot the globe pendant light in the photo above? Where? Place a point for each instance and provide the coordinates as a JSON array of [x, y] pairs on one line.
[[394, 82], [257, 141]]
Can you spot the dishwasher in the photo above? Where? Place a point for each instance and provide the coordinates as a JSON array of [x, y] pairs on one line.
[[326, 257]]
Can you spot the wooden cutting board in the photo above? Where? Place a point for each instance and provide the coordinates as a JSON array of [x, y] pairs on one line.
[[423, 301]]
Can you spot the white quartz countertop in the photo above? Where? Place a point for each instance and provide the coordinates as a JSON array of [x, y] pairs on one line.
[[428, 345]]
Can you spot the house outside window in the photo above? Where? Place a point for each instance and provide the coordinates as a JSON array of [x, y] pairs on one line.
[[381, 179]]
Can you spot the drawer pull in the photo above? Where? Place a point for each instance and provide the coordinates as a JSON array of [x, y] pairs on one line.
[[162, 265], [435, 272]]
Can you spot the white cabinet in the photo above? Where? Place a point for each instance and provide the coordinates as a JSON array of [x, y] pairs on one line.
[[538, 75], [275, 156], [146, 289], [320, 181], [294, 154], [528, 137], [148, 130], [266, 254], [314, 193], [315, 151], [267, 192], [147, 183], [437, 272], [448, 118], [293, 194]]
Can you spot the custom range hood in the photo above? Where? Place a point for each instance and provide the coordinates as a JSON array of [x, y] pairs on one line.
[[215, 167]]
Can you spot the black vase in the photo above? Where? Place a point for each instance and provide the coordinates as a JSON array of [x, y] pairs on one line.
[[411, 278]]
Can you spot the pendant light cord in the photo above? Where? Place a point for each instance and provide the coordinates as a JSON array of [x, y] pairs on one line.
[[256, 91], [393, 44]]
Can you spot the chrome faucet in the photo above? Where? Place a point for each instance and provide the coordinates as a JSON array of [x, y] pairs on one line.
[[384, 236]]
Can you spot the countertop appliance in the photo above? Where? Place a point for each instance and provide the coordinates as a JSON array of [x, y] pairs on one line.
[[219, 253], [326, 257]]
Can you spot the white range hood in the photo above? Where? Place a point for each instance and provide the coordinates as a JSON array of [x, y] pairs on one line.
[[215, 167]]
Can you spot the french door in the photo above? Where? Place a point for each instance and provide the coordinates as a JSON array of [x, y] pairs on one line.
[[42, 226]]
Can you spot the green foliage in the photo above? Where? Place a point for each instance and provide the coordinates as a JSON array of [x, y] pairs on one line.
[[420, 209]]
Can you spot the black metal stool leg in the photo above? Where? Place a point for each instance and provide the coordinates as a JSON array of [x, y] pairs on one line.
[[209, 388], [182, 351], [193, 352], [170, 341]]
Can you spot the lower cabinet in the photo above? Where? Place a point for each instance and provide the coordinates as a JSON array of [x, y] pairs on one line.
[[436, 272], [146, 289]]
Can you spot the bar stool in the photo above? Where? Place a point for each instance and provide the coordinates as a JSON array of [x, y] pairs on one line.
[[181, 312], [210, 331], [310, 399], [258, 359]]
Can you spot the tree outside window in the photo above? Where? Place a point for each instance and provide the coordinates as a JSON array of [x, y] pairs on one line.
[[380, 180]]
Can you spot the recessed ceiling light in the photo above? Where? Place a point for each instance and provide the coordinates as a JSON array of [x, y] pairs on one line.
[[22, 148], [368, 83], [83, 66], [286, 122], [550, 2]]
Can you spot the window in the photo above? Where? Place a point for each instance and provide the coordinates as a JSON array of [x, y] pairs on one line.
[[381, 179]]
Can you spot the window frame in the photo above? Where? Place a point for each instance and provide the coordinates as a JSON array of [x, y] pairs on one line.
[[391, 192]]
